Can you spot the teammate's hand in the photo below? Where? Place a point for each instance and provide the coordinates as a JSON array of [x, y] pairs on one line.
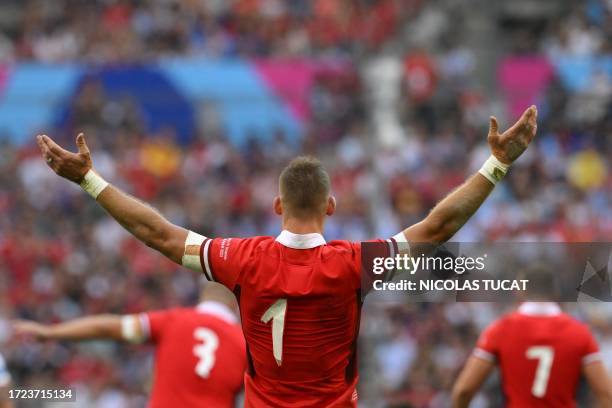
[[71, 166], [508, 146], [25, 328]]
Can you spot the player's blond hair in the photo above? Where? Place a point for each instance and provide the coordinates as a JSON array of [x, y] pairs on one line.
[[304, 187]]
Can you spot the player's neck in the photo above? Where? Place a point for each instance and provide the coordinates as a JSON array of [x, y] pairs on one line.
[[303, 226]]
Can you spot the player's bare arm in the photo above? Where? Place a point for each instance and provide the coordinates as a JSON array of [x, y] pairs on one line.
[[450, 214], [470, 380], [103, 327], [598, 379], [140, 219]]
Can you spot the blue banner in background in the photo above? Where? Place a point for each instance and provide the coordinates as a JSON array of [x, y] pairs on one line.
[[160, 104], [38, 98]]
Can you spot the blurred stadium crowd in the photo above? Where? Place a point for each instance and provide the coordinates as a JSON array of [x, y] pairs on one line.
[[61, 257]]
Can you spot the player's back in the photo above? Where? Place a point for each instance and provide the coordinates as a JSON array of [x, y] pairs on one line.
[[312, 295], [300, 305], [540, 352], [200, 356]]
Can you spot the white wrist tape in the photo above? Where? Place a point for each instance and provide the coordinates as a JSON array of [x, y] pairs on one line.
[[493, 169], [93, 184], [191, 257]]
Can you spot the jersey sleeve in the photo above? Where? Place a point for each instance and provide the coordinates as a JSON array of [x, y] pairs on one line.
[[590, 352], [5, 377], [224, 259], [368, 257], [488, 345], [153, 324]]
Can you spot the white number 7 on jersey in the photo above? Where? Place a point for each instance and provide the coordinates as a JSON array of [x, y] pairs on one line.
[[276, 313], [545, 355]]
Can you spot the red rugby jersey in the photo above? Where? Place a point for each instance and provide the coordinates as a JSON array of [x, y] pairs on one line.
[[540, 352], [300, 304], [200, 356]]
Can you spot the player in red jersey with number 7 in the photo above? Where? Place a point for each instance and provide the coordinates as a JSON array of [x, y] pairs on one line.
[[299, 295], [541, 353], [199, 352]]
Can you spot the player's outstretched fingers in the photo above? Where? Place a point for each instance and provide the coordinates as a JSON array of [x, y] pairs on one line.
[[46, 153], [528, 122], [523, 122], [533, 122], [493, 125], [53, 147], [81, 144]]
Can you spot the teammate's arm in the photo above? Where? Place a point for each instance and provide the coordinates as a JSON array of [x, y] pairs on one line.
[[140, 219], [470, 380], [111, 327], [599, 381], [450, 214]]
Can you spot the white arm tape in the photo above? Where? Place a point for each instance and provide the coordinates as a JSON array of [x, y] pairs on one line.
[[93, 184], [493, 169], [131, 331], [591, 358], [191, 256], [403, 247]]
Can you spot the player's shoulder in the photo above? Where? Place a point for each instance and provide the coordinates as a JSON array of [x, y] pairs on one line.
[[180, 311], [343, 244], [241, 246], [253, 242], [342, 248], [169, 316], [576, 325]]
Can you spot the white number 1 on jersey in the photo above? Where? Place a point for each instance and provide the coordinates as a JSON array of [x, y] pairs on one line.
[[276, 313], [545, 356]]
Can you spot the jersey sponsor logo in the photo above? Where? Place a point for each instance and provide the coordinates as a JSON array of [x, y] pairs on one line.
[[223, 251]]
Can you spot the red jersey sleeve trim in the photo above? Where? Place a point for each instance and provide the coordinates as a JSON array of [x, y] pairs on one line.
[[205, 259], [393, 248], [483, 354]]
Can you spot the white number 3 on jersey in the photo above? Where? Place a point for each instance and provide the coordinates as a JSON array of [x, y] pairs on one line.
[[205, 350]]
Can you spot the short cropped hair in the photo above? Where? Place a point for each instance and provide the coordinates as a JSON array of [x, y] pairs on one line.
[[304, 187]]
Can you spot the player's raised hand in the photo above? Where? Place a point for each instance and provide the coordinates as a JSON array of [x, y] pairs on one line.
[[69, 165], [508, 146], [25, 328]]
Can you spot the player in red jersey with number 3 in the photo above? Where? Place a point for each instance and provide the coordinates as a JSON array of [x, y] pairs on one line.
[[541, 354], [199, 352], [299, 295]]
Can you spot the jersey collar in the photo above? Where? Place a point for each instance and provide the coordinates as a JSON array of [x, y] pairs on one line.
[[300, 241], [539, 309], [217, 309]]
